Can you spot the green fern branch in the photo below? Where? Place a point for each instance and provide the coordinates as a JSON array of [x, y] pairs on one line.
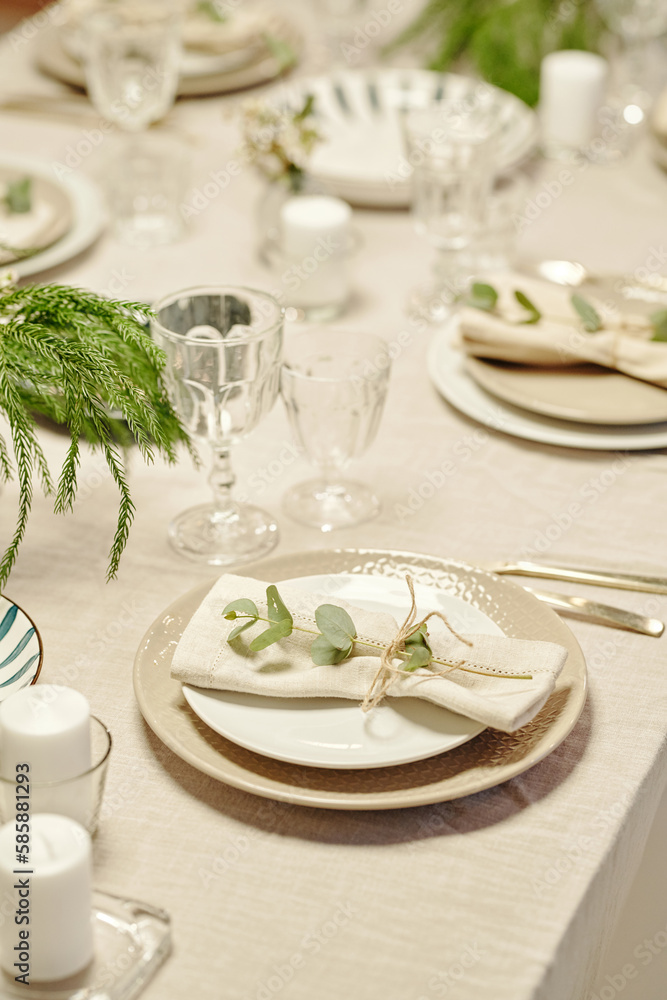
[[504, 42], [79, 359]]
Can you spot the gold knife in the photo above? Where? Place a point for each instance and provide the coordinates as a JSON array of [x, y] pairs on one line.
[[622, 581], [601, 614]]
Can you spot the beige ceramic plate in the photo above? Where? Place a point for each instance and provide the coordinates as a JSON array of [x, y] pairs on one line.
[[488, 760], [584, 394], [53, 58], [48, 220]]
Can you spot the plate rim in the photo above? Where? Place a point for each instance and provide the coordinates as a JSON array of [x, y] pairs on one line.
[[89, 214], [457, 386], [545, 408], [270, 788]]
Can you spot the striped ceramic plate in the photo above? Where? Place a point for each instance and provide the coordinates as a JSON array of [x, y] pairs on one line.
[[359, 114], [21, 650]]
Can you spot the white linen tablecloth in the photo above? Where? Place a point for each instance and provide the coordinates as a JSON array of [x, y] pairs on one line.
[[505, 895]]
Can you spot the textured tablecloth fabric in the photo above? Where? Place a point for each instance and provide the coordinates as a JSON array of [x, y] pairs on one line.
[[504, 895], [501, 699]]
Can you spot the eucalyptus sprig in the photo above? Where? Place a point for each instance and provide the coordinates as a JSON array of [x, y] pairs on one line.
[[335, 637], [485, 297]]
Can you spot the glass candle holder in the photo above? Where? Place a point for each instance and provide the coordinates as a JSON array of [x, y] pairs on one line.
[[79, 797]]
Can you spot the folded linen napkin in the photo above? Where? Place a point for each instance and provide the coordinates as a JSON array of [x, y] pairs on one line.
[[205, 659], [624, 342]]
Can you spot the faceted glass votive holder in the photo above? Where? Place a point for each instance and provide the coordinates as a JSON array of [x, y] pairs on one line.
[[312, 290], [79, 797], [131, 941]]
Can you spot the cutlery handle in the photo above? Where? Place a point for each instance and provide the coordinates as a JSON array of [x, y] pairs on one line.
[[602, 614], [623, 581]]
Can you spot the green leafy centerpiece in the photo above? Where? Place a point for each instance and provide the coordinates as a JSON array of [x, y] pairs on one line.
[[503, 42], [77, 358]]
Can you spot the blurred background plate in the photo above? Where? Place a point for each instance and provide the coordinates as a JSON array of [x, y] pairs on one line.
[[358, 111], [87, 206], [48, 219], [279, 52]]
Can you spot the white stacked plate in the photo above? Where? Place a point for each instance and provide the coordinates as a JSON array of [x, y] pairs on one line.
[[583, 407], [359, 115]]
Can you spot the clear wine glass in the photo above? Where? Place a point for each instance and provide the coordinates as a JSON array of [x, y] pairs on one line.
[[334, 385], [224, 351], [450, 148], [132, 57]]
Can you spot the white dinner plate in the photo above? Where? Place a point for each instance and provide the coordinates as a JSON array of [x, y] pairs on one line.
[[53, 58], [334, 732], [88, 213], [362, 158], [447, 368], [486, 761]]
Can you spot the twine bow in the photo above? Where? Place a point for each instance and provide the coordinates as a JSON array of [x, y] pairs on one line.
[[387, 674]]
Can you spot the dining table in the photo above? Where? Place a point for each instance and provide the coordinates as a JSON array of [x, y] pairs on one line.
[[510, 893]]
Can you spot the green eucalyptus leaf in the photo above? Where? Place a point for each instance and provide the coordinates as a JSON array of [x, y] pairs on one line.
[[419, 657], [235, 632], [482, 296], [18, 196], [210, 9], [588, 315], [336, 625], [277, 610], [278, 631], [523, 300], [659, 322], [418, 638], [324, 653], [243, 606]]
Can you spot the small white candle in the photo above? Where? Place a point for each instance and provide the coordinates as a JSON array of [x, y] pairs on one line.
[[315, 238], [573, 86], [54, 892], [48, 727]]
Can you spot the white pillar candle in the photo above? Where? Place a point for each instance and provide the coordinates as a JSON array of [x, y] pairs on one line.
[[315, 233], [48, 727], [54, 892], [573, 85]]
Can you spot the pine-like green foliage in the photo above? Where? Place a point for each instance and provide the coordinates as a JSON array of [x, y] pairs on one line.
[[504, 40], [74, 357]]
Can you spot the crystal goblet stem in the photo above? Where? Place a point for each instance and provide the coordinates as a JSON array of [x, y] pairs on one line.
[[224, 350]]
